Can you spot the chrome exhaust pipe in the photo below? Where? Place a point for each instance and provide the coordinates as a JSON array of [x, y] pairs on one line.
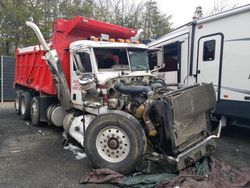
[[38, 34], [139, 32], [53, 62]]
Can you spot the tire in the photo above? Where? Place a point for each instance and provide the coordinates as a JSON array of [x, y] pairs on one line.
[[18, 95], [35, 111], [25, 105], [115, 140]]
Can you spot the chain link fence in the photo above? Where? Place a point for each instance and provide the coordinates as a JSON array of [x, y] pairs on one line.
[[7, 71]]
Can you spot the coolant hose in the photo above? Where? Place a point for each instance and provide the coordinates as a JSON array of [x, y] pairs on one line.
[[132, 90], [151, 128]]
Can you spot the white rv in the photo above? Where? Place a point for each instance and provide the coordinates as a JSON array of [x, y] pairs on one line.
[[212, 49]]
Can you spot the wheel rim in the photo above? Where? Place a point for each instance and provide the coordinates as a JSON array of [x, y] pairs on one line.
[[22, 107], [113, 144], [33, 109]]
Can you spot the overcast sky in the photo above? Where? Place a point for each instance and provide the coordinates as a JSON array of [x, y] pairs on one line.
[[183, 10]]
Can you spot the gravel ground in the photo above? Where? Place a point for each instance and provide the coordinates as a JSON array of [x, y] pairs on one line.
[[30, 159]]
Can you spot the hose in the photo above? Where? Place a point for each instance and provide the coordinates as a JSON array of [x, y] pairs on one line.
[[132, 90], [151, 128]]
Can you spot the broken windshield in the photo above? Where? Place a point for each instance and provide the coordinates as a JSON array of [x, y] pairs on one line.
[[117, 59], [138, 59], [110, 58]]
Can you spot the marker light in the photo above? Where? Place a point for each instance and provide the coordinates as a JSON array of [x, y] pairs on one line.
[[93, 38], [128, 41], [120, 40]]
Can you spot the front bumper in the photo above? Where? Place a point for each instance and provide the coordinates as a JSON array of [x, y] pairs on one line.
[[193, 154], [185, 158]]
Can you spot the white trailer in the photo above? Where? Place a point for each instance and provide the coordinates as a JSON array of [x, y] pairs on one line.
[[212, 49]]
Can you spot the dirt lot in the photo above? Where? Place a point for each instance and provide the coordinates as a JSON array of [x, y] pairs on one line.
[[30, 159]]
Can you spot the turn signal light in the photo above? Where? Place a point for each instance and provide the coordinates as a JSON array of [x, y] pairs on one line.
[[128, 41], [120, 40], [93, 38]]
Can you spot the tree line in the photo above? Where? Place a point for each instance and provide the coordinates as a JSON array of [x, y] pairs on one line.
[[128, 13]]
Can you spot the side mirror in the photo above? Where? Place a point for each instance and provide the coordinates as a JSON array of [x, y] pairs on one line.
[[159, 67]]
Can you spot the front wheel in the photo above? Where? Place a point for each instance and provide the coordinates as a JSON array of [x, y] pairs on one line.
[[115, 140]]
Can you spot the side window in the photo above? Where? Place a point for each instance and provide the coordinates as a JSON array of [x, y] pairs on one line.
[[86, 63], [152, 58], [82, 62], [209, 50], [170, 57], [74, 64]]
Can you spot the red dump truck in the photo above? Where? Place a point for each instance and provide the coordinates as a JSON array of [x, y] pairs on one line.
[[93, 79]]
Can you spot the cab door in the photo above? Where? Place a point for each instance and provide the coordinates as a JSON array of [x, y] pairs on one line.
[[81, 65]]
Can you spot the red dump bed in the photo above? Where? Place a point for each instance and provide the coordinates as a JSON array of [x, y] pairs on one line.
[[31, 70]]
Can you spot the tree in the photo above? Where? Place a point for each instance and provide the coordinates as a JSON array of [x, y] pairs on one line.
[[14, 13], [130, 13], [222, 5], [155, 24]]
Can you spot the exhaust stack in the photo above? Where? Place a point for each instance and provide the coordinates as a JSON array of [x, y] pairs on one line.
[[52, 60]]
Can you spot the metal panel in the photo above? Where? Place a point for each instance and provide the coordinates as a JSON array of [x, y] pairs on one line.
[[7, 76]]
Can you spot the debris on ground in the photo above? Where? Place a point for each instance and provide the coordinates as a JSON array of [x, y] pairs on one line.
[[27, 123], [41, 132], [76, 150], [15, 151], [80, 155], [206, 173]]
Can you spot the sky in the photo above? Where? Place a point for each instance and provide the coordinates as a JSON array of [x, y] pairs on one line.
[[182, 11]]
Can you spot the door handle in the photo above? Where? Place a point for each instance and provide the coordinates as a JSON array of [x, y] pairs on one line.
[[198, 71]]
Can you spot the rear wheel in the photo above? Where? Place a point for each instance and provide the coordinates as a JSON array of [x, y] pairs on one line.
[[35, 111], [18, 95], [115, 140], [25, 105]]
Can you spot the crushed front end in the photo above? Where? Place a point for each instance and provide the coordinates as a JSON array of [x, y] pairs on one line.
[[181, 119], [176, 122]]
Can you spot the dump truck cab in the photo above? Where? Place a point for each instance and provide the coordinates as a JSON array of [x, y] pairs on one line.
[[104, 61]]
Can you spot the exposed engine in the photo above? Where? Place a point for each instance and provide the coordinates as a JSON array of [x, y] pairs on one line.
[[134, 95], [170, 129], [128, 93]]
